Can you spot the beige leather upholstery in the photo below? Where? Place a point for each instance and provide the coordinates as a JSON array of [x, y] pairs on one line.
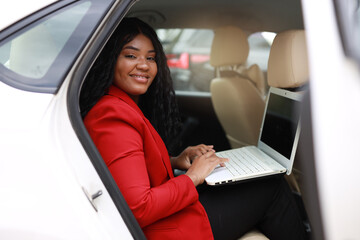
[[229, 47], [288, 60], [238, 100], [255, 73], [288, 68], [239, 107]]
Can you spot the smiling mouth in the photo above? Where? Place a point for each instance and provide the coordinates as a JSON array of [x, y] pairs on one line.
[[140, 76]]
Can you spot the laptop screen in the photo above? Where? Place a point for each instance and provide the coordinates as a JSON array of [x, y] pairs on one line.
[[280, 124]]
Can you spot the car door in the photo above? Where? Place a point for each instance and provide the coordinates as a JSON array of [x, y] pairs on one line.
[[51, 190], [331, 120]]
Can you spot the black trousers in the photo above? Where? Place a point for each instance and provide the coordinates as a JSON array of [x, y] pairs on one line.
[[266, 204]]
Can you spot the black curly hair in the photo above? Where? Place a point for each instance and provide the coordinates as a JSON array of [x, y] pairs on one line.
[[158, 103]]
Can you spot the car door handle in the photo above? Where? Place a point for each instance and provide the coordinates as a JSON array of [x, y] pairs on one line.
[[92, 197], [96, 195]]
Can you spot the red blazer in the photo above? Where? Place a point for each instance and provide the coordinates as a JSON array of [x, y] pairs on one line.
[[166, 207]]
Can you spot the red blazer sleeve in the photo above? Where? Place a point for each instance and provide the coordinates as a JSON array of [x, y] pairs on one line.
[[119, 139]]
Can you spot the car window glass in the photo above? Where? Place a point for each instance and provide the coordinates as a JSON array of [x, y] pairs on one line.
[[260, 43], [38, 57], [32, 53], [188, 54]]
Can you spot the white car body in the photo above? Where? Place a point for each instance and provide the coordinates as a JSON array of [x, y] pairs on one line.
[[16, 10], [43, 199], [44, 171], [335, 92]]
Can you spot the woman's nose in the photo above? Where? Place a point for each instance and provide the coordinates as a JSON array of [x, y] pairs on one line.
[[143, 64]]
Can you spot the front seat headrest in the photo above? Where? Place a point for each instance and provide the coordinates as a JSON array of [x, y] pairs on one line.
[[288, 60], [229, 47]]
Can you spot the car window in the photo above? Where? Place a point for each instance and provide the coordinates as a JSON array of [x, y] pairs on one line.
[[188, 54], [260, 43], [38, 57], [32, 53]]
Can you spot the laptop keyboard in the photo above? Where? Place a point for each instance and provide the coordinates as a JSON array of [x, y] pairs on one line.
[[242, 161]]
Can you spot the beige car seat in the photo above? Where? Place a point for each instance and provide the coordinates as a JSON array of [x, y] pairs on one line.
[[288, 60], [238, 92], [287, 68]]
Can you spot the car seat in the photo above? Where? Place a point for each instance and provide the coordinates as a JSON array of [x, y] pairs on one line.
[[288, 64], [238, 92], [287, 68]]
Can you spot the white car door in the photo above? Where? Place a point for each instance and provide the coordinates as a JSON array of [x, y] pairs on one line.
[[49, 187], [333, 32]]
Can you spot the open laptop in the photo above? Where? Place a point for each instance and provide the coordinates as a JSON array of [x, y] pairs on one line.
[[276, 148]]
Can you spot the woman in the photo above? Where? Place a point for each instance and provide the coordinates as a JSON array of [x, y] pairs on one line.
[[129, 108]]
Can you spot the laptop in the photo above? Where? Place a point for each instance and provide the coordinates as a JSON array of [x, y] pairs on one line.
[[276, 148]]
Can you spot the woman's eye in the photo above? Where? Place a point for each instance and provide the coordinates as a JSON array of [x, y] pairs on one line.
[[130, 56], [151, 59]]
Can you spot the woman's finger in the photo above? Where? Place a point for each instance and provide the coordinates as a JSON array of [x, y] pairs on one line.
[[199, 152], [210, 153], [207, 147], [204, 148], [211, 156], [223, 161]]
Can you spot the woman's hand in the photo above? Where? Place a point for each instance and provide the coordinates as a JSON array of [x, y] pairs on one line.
[[184, 160], [203, 165]]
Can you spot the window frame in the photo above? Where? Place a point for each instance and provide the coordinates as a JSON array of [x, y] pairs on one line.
[[94, 47], [52, 80]]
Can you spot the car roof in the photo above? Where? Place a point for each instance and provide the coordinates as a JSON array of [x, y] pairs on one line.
[[250, 15], [14, 10]]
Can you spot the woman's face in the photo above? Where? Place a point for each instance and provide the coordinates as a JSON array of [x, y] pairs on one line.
[[136, 68]]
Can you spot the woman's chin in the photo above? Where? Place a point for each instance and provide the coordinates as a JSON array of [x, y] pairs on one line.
[[138, 92]]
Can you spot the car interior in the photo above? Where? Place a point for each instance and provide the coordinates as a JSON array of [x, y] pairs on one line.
[[238, 66], [240, 110]]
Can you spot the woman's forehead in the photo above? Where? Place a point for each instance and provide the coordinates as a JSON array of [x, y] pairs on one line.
[[140, 42]]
